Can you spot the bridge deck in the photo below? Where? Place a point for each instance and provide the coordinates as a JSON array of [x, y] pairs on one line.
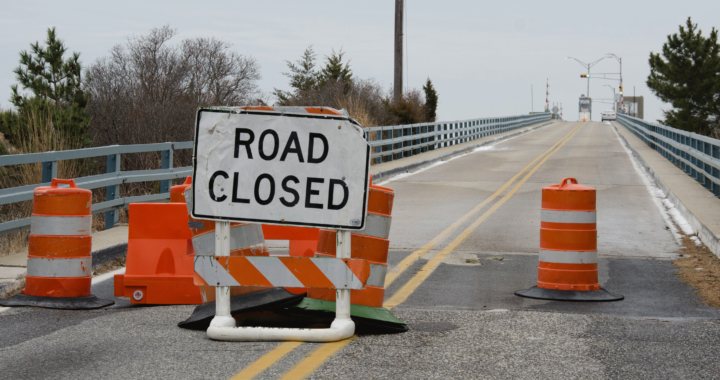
[[457, 295]]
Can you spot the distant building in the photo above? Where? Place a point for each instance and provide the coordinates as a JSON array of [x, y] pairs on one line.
[[634, 106]]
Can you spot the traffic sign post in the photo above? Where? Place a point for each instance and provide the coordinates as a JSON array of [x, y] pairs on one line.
[[288, 166]]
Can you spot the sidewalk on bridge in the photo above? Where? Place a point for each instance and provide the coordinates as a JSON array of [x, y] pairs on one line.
[[696, 204], [395, 167], [106, 246]]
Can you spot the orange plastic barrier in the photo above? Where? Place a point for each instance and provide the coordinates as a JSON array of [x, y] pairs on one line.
[[371, 244], [567, 267], [159, 268]]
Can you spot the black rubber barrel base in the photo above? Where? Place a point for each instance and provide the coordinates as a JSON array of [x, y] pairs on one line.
[[601, 295], [67, 303], [262, 300]]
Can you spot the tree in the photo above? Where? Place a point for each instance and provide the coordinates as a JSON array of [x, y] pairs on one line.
[[148, 89], [335, 71], [44, 72], [687, 75], [57, 94], [431, 100], [303, 76]]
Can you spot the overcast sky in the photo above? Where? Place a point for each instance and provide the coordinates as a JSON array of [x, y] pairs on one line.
[[482, 56]]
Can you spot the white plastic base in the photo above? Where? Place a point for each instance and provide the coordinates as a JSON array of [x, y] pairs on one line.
[[339, 329], [222, 321]]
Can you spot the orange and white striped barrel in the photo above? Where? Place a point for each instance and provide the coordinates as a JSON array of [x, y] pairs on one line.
[[60, 246], [568, 262], [370, 243], [568, 237]]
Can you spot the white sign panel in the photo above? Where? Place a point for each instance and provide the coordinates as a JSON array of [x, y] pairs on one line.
[[280, 168]]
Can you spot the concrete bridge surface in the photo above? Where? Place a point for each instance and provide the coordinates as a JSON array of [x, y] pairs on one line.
[[457, 267]]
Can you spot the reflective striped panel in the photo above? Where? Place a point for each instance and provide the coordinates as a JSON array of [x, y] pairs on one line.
[[376, 226], [242, 236], [61, 225], [377, 275], [553, 216], [44, 267], [275, 271], [568, 257]]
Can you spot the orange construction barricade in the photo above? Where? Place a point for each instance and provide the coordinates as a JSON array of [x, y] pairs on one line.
[[59, 268], [568, 246], [371, 244]]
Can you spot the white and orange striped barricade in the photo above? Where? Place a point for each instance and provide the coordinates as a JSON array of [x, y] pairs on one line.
[[568, 246], [371, 244], [59, 268], [223, 271], [294, 166]]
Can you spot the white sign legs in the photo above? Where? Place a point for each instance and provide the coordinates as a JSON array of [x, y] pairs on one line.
[[223, 327], [222, 293]]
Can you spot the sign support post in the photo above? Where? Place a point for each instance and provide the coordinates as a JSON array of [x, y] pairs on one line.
[[342, 304], [222, 293]]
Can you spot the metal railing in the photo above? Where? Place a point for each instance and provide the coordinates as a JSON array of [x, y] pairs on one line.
[[697, 155], [110, 180], [401, 141], [393, 141]]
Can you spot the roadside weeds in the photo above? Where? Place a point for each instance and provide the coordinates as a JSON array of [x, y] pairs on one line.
[[700, 268]]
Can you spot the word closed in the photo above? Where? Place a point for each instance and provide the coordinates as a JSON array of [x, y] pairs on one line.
[[280, 167]]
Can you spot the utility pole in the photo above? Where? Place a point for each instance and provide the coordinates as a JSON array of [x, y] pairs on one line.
[[398, 51], [531, 98]]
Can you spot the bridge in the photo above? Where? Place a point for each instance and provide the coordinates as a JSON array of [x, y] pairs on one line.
[[464, 237]]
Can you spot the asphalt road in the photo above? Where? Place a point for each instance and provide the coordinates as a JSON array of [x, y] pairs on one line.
[[465, 321]]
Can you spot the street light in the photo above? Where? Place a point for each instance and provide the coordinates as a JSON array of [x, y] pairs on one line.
[[622, 96], [614, 100], [588, 66]]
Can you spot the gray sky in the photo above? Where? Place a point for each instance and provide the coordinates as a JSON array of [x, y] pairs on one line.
[[481, 56]]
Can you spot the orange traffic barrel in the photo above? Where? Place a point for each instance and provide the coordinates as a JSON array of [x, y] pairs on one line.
[[59, 267], [370, 243], [567, 269]]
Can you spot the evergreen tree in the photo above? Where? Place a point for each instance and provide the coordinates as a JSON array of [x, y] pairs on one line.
[[431, 100], [303, 76], [44, 72], [56, 84], [336, 71], [687, 75]]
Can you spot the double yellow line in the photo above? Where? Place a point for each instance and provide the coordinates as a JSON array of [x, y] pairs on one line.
[[327, 350]]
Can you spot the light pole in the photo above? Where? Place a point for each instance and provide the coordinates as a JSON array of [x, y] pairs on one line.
[[588, 66], [622, 95], [614, 101]]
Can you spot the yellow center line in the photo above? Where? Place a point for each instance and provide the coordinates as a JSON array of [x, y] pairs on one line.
[[266, 361], [410, 259], [324, 352]]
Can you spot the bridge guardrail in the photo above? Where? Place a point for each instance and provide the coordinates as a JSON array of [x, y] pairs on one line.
[[404, 140], [697, 155], [111, 180]]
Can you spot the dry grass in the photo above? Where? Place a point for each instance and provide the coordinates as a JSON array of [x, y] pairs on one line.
[[700, 268], [41, 137]]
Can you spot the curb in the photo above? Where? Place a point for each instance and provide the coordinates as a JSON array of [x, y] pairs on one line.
[[99, 258], [704, 233], [387, 174]]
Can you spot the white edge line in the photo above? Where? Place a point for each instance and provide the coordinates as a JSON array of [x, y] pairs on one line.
[[482, 148], [107, 276], [654, 191]]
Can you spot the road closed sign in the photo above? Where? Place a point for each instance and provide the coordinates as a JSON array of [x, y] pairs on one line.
[[286, 165]]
